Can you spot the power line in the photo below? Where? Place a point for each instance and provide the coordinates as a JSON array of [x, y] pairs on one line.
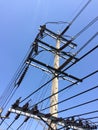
[[9, 98], [12, 85], [26, 119], [84, 7], [94, 117], [82, 104], [86, 54], [89, 75], [52, 78], [9, 94], [80, 32], [29, 125], [73, 56], [82, 114], [63, 70], [94, 36], [67, 87], [37, 89], [8, 125], [66, 68], [86, 27], [17, 116], [81, 93], [43, 80], [21, 72], [76, 17]]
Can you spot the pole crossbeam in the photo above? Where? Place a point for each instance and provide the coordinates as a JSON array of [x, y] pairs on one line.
[[55, 70], [56, 36], [66, 123], [55, 49]]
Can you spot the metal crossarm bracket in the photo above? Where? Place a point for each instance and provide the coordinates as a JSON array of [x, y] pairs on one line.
[[56, 70], [63, 40], [56, 50], [66, 62], [44, 117]]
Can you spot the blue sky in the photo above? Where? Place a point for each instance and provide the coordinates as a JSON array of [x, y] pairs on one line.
[[19, 24]]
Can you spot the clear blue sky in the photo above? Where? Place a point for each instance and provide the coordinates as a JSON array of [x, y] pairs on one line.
[[19, 24]]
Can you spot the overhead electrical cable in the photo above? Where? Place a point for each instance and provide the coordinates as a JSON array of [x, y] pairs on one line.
[[54, 77], [37, 89], [10, 94], [94, 36], [81, 93], [14, 84], [75, 12], [28, 125], [82, 114], [26, 119], [86, 54], [90, 118], [84, 7], [8, 99], [80, 49], [88, 2], [17, 116], [43, 93], [14, 90], [86, 27], [11, 85], [87, 76], [79, 105], [8, 125], [80, 32]]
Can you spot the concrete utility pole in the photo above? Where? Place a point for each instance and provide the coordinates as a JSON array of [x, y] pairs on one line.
[[51, 119], [54, 99]]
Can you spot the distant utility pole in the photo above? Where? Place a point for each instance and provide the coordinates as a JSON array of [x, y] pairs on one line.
[[54, 98]]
